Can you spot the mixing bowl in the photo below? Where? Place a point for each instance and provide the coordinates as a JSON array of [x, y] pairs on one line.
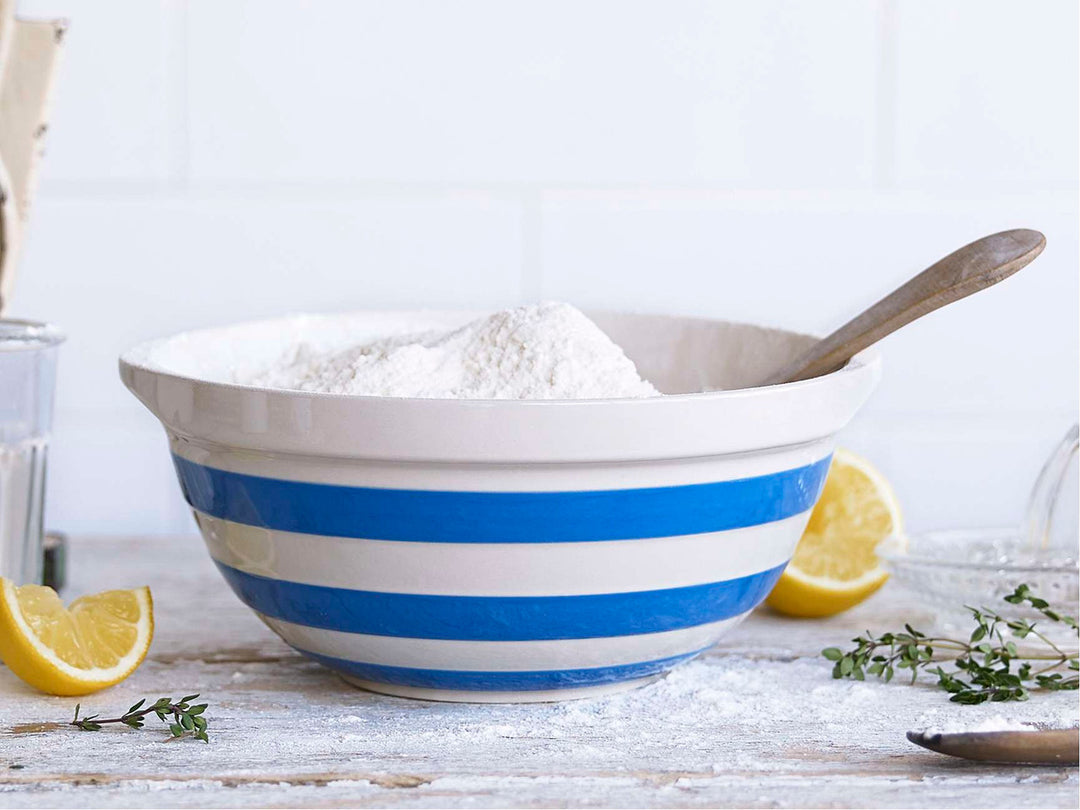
[[500, 550]]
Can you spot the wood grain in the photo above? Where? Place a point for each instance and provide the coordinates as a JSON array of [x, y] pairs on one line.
[[9, 220], [968, 270], [286, 732], [29, 51]]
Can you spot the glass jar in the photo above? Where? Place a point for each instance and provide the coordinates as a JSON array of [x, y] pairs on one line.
[[27, 384]]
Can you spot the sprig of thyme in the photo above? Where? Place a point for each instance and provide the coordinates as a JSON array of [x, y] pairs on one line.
[[983, 663], [187, 720]]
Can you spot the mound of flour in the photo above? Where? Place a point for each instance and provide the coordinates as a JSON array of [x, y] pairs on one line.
[[540, 351]]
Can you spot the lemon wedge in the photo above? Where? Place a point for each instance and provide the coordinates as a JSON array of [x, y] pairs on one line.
[[835, 566], [96, 642]]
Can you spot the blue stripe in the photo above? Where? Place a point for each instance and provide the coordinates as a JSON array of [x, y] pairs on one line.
[[471, 680], [499, 517], [499, 618]]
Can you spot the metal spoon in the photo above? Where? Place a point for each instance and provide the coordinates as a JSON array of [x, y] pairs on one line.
[[973, 267], [1056, 746]]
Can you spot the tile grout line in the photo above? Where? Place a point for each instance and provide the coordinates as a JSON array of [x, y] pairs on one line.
[[532, 257], [178, 107], [886, 96], [271, 191]]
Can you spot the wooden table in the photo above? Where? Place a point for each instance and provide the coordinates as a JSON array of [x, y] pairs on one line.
[[756, 722]]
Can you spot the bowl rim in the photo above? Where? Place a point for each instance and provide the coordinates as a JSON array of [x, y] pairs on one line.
[[22, 335], [901, 558], [215, 415]]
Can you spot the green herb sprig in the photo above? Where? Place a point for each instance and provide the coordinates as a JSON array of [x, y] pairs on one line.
[[983, 662], [186, 720]]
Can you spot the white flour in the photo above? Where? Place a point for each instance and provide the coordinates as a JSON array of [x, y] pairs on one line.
[[995, 723], [540, 351]]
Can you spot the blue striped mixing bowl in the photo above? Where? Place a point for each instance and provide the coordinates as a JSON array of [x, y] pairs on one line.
[[502, 550]]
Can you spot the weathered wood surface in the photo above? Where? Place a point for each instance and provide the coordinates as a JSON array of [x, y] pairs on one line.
[[756, 722]]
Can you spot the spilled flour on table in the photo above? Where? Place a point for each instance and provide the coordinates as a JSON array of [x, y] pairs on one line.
[[539, 351], [995, 723], [711, 715]]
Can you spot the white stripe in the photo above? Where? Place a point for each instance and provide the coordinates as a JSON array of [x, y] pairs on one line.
[[503, 569], [500, 656], [504, 477]]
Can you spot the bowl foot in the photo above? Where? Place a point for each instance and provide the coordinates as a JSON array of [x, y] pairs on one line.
[[476, 696]]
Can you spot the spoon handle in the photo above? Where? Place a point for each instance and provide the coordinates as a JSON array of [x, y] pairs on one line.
[[973, 267]]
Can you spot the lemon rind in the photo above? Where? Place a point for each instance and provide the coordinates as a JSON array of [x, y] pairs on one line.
[[837, 586]]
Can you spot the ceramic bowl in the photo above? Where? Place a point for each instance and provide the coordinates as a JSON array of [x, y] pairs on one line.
[[498, 550]]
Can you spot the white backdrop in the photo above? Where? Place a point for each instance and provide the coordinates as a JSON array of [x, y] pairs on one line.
[[774, 161]]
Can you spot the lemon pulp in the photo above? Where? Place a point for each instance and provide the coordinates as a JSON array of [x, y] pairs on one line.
[[835, 565]]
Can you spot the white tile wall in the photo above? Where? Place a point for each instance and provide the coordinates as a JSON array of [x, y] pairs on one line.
[[986, 95], [776, 161], [565, 91]]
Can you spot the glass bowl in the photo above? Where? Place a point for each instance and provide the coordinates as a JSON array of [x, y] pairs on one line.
[[979, 567]]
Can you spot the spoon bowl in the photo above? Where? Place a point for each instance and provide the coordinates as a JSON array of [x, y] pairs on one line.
[[1039, 746]]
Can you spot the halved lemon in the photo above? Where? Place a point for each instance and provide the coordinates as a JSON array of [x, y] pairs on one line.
[[96, 642], [835, 566]]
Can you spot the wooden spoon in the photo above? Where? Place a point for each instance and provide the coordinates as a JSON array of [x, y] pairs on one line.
[[1056, 746], [974, 267], [29, 54]]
